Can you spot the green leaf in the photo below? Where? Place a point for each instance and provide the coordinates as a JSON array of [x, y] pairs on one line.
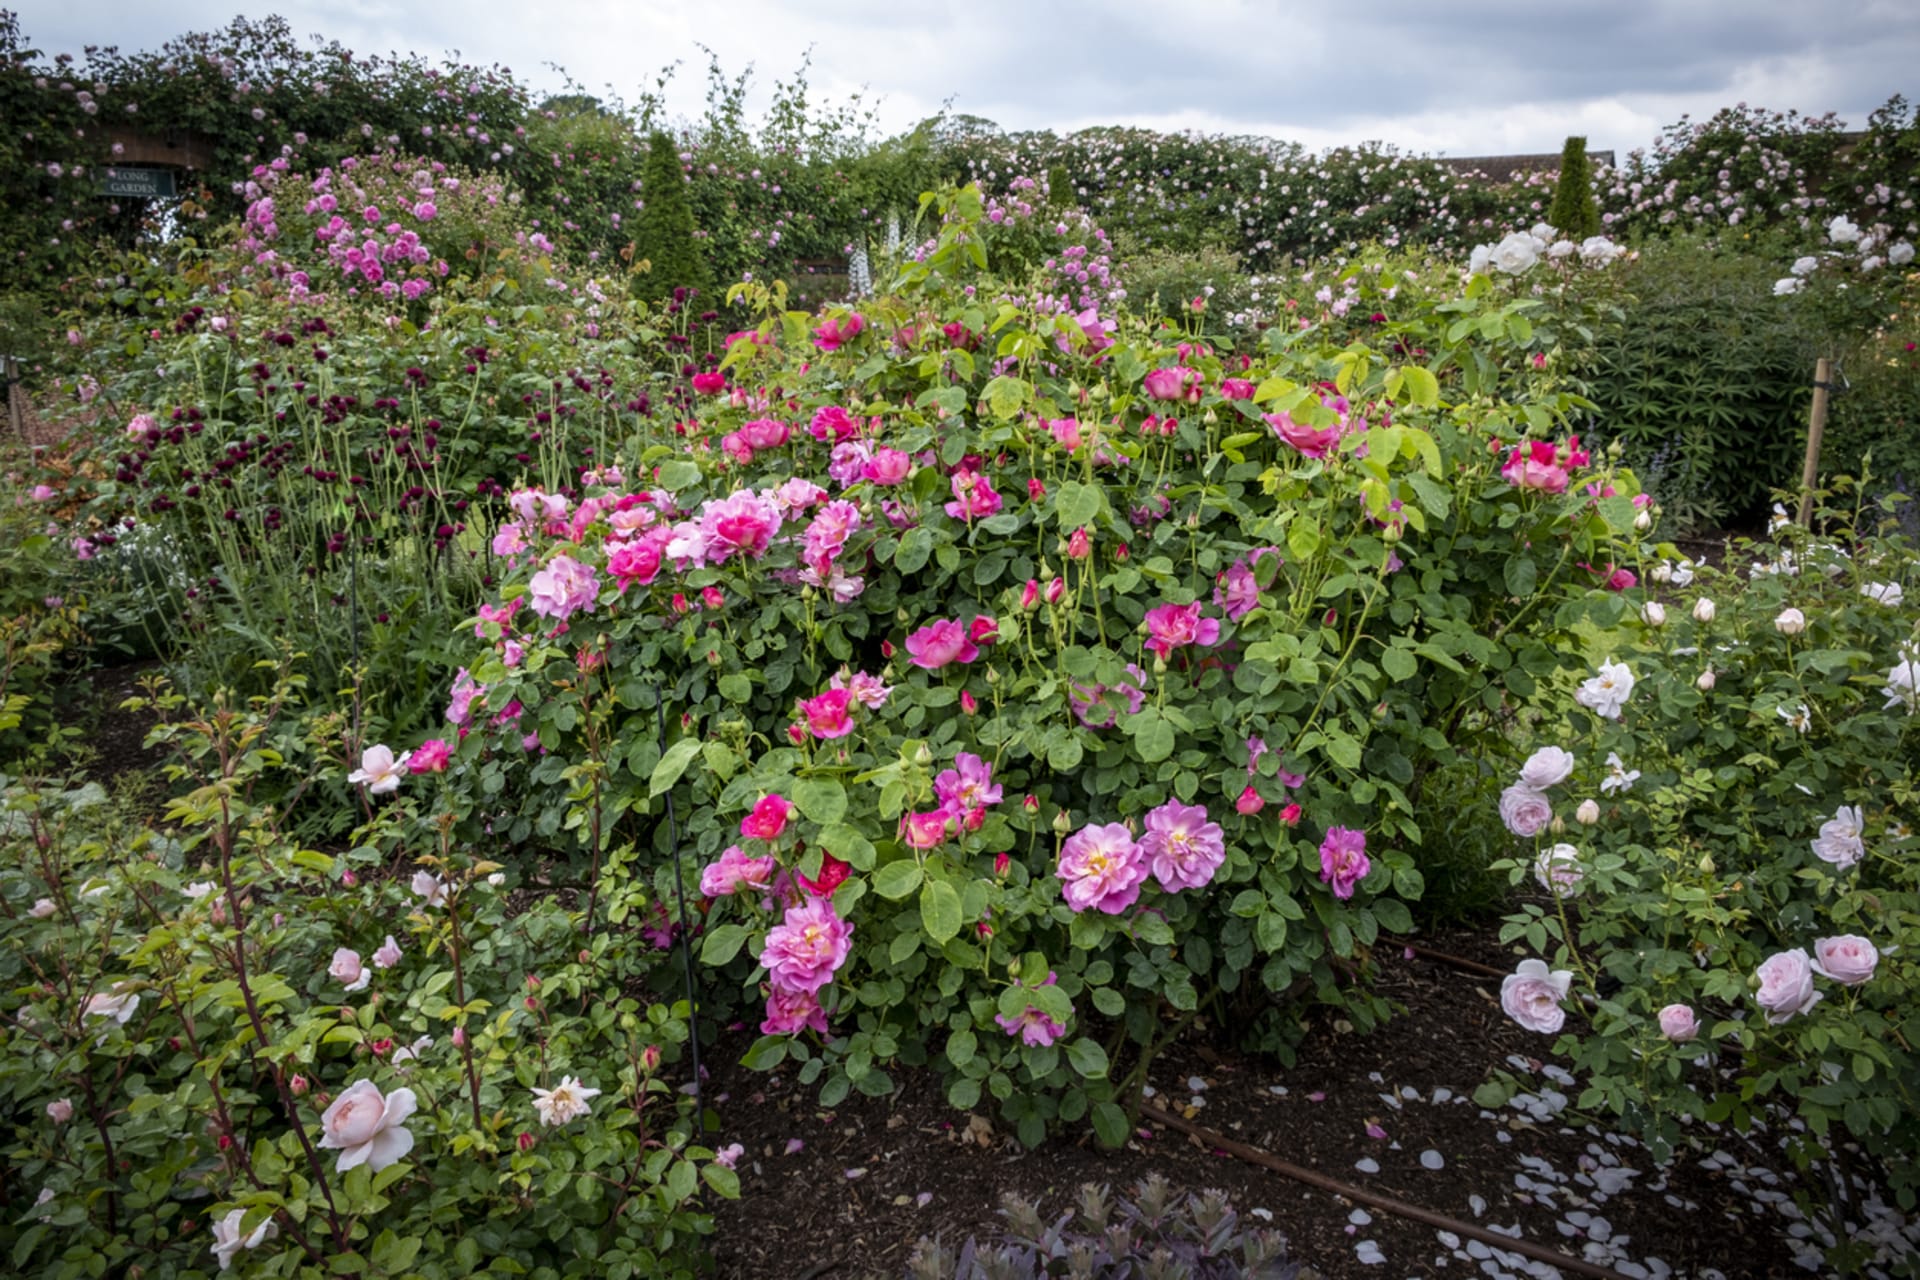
[[1399, 664], [678, 475], [961, 1046], [723, 944], [1076, 504], [822, 800], [1005, 395], [915, 546], [897, 879], [1088, 1058], [1522, 576], [671, 766], [1109, 1125], [724, 1181], [848, 845], [1422, 386], [1303, 539], [940, 910]]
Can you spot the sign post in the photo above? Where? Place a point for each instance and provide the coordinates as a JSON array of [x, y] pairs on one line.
[[137, 184]]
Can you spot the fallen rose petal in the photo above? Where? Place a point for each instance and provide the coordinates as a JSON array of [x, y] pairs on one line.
[[855, 1173], [1375, 1132], [794, 1145], [1317, 1096]]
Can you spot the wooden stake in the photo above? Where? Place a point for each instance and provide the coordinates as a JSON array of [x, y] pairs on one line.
[[10, 371], [1816, 427]]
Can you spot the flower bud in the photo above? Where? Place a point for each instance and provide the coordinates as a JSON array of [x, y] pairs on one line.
[[1250, 801], [1001, 861], [1705, 683], [525, 1141], [1791, 622], [1056, 589], [1703, 610], [1643, 521], [1291, 815], [1587, 814], [1653, 613], [1030, 594], [650, 1058], [968, 703], [1662, 572], [586, 957], [1062, 823], [1706, 864], [922, 756], [298, 1086], [1558, 826], [1031, 804], [459, 1037]]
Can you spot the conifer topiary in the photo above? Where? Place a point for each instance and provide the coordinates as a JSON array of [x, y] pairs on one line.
[[1574, 213], [664, 234]]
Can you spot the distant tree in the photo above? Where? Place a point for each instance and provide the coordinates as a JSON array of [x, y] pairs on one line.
[[664, 233], [1574, 212], [1060, 187], [577, 104]]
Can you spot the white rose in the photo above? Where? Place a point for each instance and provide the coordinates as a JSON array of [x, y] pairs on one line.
[[1791, 622], [1900, 253], [1842, 231], [1886, 593], [1786, 285], [1546, 768], [1558, 870], [113, 1005], [1482, 258], [1561, 250], [1606, 693], [1543, 232], [1703, 610], [42, 908], [1598, 250], [227, 1240], [1805, 266], [1516, 254], [431, 887], [1841, 840], [368, 1128], [1587, 814], [1654, 614]]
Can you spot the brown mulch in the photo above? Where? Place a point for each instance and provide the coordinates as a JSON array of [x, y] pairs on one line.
[[875, 1175]]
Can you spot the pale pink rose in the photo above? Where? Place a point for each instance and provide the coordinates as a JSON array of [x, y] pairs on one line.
[[380, 769], [228, 1242], [1547, 767], [563, 588], [368, 1128], [1558, 870], [1848, 959], [1531, 995], [42, 908], [388, 955], [431, 887], [1525, 811], [1786, 985], [60, 1110], [1677, 1023], [347, 970]]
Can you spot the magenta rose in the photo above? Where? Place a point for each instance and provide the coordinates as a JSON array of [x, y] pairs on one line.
[[940, 642], [1314, 442], [1101, 868], [1343, 860], [803, 951], [1182, 847]]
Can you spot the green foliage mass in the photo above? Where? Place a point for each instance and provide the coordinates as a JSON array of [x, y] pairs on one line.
[[664, 235], [1574, 214]]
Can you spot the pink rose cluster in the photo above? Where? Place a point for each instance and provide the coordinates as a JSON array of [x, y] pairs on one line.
[[830, 714], [1783, 984], [1102, 867], [1540, 464], [965, 792]]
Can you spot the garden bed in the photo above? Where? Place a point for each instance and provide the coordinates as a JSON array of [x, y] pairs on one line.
[[875, 1175]]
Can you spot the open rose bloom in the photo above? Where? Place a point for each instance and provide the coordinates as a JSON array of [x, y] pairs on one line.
[[367, 1127]]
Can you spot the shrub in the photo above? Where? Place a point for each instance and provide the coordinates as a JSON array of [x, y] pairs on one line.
[[664, 234], [1156, 1233], [1574, 212], [1731, 909], [908, 648], [218, 1041]]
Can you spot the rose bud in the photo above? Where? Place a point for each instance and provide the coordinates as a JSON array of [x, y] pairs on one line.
[[1291, 815]]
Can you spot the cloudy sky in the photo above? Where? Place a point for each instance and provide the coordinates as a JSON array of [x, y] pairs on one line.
[[1459, 77]]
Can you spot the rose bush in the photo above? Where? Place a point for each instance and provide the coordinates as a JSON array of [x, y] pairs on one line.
[[1001, 701], [201, 1072], [1736, 908]]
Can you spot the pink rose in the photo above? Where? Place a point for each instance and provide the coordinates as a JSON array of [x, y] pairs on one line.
[[1785, 985], [1531, 995], [1525, 811], [1677, 1024], [1848, 959], [1535, 466], [789, 1012], [347, 970], [827, 714], [768, 819], [1313, 442], [734, 871], [1170, 626], [708, 384], [1343, 860], [1177, 383], [939, 643], [431, 756], [1237, 389], [368, 1128], [1250, 802], [924, 830], [563, 588], [887, 467], [807, 947], [1547, 767], [1102, 868], [388, 955], [1182, 846], [60, 1110]]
